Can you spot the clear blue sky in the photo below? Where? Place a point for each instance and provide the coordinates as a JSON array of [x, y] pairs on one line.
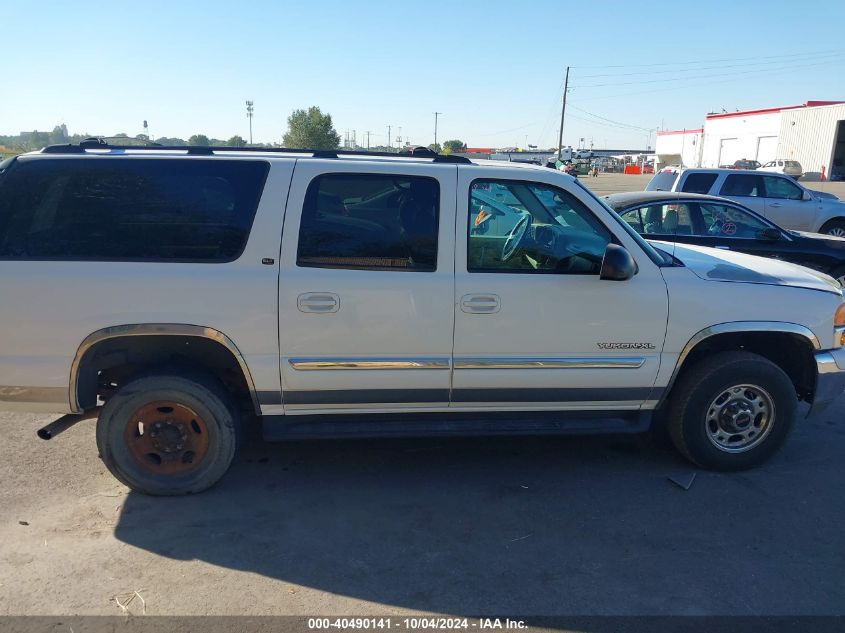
[[494, 68]]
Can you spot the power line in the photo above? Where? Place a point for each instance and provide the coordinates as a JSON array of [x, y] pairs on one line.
[[793, 66], [618, 123], [617, 95], [778, 59], [699, 61]]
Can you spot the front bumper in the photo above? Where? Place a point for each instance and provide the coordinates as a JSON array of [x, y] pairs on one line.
[[830, 378]]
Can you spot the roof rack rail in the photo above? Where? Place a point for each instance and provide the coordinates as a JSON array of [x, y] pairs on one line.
[[203, 150]]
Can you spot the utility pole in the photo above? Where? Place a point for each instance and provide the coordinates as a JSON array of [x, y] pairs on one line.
[[368, 139], [562, 113], [388, 137], [436, 114], [249, 110]]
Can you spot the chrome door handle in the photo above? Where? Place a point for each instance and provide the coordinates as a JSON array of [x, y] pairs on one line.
[[480, 304], [319, 302]]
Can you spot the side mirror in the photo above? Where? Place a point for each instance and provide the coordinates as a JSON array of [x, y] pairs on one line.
[[770, 234], [806, 196], [617, 264]]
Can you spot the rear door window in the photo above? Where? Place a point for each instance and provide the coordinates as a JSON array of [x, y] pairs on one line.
[[129, 209], [370, 222], [666, 219], [698, 183], [742, 185]]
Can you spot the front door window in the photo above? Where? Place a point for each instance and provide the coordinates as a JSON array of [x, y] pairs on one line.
[[516, 226]]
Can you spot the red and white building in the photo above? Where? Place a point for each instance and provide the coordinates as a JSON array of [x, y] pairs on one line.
[[812, 133]]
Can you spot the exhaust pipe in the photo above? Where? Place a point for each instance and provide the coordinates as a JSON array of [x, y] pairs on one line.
[[65, 422]]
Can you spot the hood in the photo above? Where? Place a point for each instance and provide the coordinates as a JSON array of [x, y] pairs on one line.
[[823, 195], [830, 241], [713, 264]]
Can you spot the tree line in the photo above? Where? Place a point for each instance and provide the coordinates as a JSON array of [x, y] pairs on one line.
[[309, 128]]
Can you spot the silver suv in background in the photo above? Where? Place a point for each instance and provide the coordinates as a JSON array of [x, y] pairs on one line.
[[777, 197], [791, 168]]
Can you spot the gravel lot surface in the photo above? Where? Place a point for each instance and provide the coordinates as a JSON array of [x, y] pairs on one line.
[[522, 526]]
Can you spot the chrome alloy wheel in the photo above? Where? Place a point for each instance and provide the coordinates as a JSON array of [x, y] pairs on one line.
[[836, 231], [740, 418]]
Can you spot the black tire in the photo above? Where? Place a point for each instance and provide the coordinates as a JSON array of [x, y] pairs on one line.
[[696, 392], [831, 225], [187, 391]]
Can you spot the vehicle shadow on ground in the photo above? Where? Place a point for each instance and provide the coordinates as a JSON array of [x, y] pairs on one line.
[[563, 525]]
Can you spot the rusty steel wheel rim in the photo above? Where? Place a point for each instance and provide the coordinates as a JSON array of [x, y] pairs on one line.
[[166, 438]]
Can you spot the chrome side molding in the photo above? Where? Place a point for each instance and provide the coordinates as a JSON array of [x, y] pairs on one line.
[[620, 362], [314, 364], [467, 362]]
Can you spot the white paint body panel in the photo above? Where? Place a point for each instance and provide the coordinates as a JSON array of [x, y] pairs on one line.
[[554, 316]]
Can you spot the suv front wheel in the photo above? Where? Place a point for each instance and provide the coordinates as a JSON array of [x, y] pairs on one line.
[[731, 411], [169, 433]]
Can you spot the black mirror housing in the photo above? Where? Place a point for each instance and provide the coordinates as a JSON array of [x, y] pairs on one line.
[[770, 234], [617, 264]]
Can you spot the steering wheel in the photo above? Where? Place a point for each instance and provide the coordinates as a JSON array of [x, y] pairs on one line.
[[515, 237]]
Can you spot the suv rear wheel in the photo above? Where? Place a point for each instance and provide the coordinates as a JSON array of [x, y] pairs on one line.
[[169, 434], [731, 411]]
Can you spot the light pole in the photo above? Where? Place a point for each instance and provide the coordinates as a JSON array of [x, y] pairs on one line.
[[249, 110], [388, 136], [436, 114]]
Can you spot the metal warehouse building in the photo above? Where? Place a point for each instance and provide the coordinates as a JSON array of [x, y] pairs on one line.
[[812, 133]]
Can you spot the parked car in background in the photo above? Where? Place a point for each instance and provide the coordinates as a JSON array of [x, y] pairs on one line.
[[744, 163], [722, 223], [791, 168], [780, 199]]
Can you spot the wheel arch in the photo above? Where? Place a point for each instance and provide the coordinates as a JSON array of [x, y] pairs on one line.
[[790, 346], [117, 346]]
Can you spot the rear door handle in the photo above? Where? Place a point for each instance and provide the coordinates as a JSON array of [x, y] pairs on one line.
[[480, 304], [319, 302], [774, 204]]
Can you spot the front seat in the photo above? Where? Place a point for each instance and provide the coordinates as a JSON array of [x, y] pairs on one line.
[[670, 222]]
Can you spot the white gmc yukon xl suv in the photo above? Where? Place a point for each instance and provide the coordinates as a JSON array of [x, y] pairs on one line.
[[178, 295]]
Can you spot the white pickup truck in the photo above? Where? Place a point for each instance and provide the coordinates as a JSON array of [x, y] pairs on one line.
[[178, 295]]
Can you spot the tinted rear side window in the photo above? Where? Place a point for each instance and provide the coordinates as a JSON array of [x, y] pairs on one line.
[[662, 181], [370, 222], [125, 209], [698, 183], [742, 185]]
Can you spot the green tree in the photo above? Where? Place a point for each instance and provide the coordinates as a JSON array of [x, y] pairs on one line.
[[435, 147], [236, 141], [59, 135], [199, 139], [311, 129], [450, 147]]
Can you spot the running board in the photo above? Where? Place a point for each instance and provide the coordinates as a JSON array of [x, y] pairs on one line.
[[298, 427]]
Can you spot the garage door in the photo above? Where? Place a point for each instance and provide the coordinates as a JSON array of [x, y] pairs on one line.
[[728, 151], [767, 147]]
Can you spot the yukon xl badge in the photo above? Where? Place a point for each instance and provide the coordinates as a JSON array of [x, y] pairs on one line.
[[625, 345]]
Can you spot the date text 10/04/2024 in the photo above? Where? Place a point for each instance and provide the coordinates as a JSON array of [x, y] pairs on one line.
[[416, 623]]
